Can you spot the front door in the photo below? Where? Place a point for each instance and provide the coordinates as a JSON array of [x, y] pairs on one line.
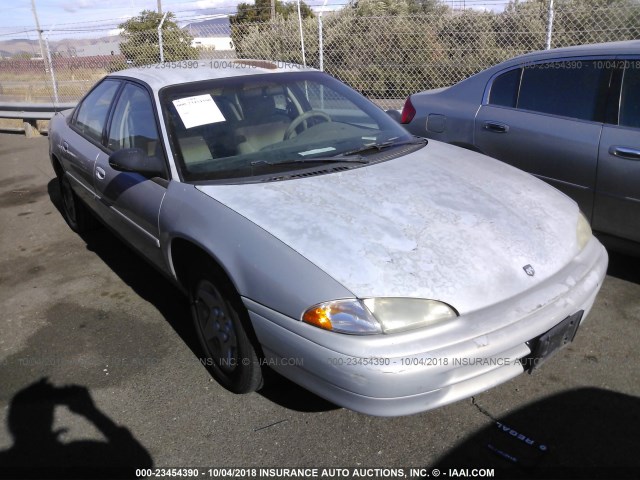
[[132, 200]]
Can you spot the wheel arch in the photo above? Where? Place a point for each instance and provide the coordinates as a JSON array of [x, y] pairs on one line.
[[57, 165], [184, 252]]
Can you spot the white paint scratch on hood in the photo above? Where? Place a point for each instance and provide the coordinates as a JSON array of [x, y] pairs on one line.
[[441, 223]]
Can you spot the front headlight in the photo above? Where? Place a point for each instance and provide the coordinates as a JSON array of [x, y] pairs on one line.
[[400, 314], [377, 315], [583, 231]]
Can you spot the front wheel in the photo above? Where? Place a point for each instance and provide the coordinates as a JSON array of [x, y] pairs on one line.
[[221, 323], [76, 213]]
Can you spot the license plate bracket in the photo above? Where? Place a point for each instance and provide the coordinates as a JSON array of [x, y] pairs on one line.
[[551, 342]]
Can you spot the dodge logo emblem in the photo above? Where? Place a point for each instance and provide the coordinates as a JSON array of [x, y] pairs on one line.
[[529, 270]]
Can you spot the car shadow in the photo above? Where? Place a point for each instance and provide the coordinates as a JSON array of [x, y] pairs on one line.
[[172, 304], [624, 267], [38, 451], [582, 433], [285, 393]]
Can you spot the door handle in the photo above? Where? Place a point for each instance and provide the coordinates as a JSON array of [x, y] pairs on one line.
[[100, 173], [65, 150], [625, 152], [496, 127]]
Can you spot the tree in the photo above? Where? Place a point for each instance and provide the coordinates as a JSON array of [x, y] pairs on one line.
[[253, 19], [594, 21], [367, 8], [260, 11], [431, 7], [384, 48], [141, 42], [522, 27]]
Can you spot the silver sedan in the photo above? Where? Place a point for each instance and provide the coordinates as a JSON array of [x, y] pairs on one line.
[[315, 236]]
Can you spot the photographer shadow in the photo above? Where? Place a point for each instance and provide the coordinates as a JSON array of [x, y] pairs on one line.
[[587, 432], [39, 452]]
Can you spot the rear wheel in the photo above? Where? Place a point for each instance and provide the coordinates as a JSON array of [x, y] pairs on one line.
[[75, 212], [221, 323]]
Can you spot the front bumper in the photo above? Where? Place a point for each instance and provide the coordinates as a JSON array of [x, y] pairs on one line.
[[400, 374]]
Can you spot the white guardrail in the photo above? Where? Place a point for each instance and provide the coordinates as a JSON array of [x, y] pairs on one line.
[[29, 114]]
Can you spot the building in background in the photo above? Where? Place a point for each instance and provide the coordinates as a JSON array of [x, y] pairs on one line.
[[213, 37]]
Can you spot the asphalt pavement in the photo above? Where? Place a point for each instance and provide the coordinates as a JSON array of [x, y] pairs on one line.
[[99, 365]]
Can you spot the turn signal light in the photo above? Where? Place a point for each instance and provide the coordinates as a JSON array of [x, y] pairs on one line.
[[319, 317]]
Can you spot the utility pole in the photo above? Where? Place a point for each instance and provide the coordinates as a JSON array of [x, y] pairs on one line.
[[35, 16], [160, 7], [46, 60], [273, 10]]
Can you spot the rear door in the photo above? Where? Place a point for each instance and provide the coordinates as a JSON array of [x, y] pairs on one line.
[[617, 203], [131, 200], [546, 118]]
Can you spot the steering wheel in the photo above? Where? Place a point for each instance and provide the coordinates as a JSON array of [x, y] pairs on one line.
[[303, 118]]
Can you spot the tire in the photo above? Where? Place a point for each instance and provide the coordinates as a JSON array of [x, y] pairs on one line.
[[222, 324], [75, 212]]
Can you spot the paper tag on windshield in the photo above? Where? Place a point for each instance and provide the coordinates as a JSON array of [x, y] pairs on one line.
[[198, 110]]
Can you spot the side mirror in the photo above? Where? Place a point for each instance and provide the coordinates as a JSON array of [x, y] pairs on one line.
[[395, 114], [136, 160]]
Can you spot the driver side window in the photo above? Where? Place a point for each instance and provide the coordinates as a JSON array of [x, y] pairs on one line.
[[133, 124]]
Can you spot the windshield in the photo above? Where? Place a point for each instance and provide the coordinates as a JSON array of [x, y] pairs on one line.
[[252, 126]]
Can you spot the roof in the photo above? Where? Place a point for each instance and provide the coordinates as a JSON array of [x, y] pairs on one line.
[[213, 27], [171, 73], [610, 48]]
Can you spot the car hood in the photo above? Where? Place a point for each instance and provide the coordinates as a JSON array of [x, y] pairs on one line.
[[441, 223]]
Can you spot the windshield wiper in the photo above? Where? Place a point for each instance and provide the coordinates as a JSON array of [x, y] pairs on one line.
[[344, 157], [298, 161], [379, 146]]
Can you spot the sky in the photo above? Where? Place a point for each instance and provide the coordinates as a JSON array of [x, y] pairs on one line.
[[100, 16]]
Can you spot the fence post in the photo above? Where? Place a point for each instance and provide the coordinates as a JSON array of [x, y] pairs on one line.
[[160, 37], [321, 37], [53, 75], [304, 58], [320, 46], [549, 25]]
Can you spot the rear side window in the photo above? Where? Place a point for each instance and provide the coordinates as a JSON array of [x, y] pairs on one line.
[[504, 91], [630, 98], [93, 111], [569, 88]]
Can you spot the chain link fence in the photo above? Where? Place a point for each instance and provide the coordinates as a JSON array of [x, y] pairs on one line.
[[385, 56]]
